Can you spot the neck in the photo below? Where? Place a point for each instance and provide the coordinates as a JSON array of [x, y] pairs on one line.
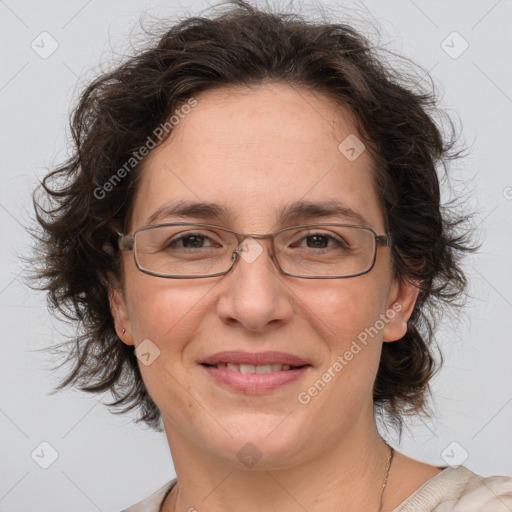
[[345, 476]]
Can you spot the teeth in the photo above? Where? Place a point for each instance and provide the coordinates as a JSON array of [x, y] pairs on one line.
[[247, 368], [251, 368]]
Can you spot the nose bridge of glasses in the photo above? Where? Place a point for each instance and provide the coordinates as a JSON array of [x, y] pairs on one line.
[[251, 245]]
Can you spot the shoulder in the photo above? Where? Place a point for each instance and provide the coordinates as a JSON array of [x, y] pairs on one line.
[[153, 502], [457, 489]]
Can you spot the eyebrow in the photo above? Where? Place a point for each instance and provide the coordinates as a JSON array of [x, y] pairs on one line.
[[302, 210], [186, 209], [296, 211]]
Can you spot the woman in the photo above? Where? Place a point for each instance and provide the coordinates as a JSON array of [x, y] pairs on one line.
[[251, 237]]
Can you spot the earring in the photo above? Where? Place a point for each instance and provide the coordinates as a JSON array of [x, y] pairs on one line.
[[124, 330]]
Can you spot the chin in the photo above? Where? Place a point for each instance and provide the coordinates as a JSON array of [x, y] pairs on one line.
[[258, 442]]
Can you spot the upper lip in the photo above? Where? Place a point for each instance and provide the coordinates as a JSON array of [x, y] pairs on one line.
[[254, 358]]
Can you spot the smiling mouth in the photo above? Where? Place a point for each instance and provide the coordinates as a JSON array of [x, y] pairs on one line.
[[251, 368], [255, 379]]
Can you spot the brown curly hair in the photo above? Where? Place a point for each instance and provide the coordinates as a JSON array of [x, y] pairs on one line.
[[247, 46]]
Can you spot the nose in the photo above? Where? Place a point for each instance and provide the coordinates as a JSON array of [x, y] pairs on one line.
[[255, 294]]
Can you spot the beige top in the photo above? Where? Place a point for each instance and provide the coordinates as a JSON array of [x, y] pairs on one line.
[[455, 489]]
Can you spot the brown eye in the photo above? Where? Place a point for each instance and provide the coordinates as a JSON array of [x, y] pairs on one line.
[[188, 241]]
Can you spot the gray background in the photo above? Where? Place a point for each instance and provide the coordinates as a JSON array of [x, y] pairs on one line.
[[105, 462]]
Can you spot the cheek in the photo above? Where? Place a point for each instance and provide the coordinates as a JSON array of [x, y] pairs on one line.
[[163, 310], [344, 309], [345, 317], [167, 314]]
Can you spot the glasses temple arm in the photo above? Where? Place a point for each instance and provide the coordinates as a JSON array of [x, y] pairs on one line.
[[125, 242], [383, 239]]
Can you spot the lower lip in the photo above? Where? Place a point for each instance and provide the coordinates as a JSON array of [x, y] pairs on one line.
[[254, 383]]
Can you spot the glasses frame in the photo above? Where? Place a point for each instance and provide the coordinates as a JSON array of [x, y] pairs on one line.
[[128, 243]]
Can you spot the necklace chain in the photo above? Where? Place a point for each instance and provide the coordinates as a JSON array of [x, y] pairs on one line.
[[390, 460]]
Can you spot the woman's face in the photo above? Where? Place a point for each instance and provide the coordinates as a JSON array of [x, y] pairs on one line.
[[255, 152]]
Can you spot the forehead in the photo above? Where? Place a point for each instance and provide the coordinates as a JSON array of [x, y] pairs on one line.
[[257, 150]]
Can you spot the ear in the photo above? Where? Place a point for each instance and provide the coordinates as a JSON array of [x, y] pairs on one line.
[[119, 311], [402, 300]]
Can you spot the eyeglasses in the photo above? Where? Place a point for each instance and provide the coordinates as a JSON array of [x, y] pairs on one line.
[[313, 251]]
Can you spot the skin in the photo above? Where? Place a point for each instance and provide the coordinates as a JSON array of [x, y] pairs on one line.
[[253, 150]]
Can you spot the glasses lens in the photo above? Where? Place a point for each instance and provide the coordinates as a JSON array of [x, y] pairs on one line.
[[325, 251], [184, 250], [309, 251]]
